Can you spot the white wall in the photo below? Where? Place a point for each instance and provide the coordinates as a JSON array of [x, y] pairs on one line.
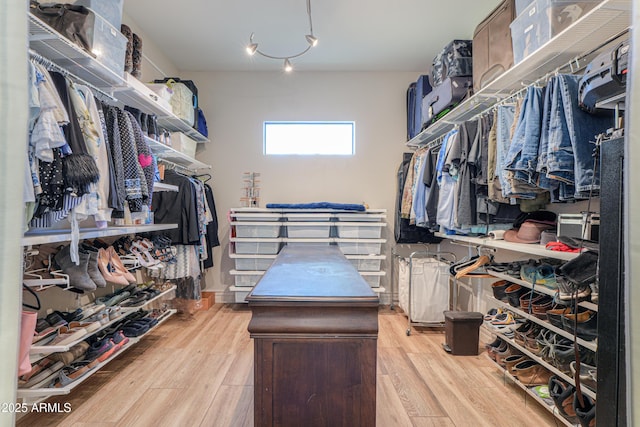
[[237, 104]]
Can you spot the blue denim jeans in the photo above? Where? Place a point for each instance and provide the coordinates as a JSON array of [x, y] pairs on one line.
[[506, 116], [570, 139], [522, 157]]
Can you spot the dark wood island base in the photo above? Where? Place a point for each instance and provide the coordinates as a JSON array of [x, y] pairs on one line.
[[315, 327]]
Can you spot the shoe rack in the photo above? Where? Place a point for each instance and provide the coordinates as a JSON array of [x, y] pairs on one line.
[[606, 21], [122, 89]]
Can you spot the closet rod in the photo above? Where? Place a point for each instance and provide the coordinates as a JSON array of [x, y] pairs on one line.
[[52, 66]]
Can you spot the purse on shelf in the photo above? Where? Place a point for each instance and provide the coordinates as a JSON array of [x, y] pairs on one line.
[[73, 22]]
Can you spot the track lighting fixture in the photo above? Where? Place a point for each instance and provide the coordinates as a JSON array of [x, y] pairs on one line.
[[252, 48]]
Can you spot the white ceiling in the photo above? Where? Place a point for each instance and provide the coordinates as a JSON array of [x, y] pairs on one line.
[[354, 35]]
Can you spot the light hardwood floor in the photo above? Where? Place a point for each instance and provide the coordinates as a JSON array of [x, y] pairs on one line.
[[199, 372]]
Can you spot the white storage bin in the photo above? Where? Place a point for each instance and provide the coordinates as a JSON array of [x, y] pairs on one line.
[[267, 248], [251, 229], [246, 278], [108, 45], [245, 264], [354, 217], [240, 296], [313, 217], [309, 230], [366, 263], [359, 247], [307, 243], [373, 281], [360, 231], [111, 10], [255, 217], [184, 144]]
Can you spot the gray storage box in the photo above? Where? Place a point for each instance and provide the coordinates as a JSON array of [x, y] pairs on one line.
[[108, 45]]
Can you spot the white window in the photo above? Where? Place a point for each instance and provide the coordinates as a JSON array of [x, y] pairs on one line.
[[310, 138]]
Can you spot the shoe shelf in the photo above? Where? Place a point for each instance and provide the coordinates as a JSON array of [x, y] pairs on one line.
[[540, 289], [550, 407], [37, 352], [527, 248], [38, 394], [591, 345], [541, 361], [161, 186], [42, 237], [40, 282], [604, 22], [173, 156]]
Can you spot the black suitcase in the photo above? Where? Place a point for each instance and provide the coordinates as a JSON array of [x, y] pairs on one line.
[[455, 60], [604, 77], [443, 98]]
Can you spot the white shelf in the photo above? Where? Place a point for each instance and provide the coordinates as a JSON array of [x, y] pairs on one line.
[[42, 237], [164, 152], [39, 351], [36, 394], [123, 87], [547, 365], [526, 248], [50, 44], [591, 345], [135, 94], [607, 20], [539, 288], [551, 408], [161, 186]]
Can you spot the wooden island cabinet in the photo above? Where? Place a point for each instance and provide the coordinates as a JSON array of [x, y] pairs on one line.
[[315, 327]]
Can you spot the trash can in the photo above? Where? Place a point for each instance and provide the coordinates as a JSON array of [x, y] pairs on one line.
[[461, 332]]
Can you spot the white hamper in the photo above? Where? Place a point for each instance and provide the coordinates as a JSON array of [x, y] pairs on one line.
[[429, 289]]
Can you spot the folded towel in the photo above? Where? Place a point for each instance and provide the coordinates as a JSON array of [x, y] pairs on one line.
[[317, 205]]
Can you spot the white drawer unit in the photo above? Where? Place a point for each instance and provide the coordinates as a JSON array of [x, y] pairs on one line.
[[258, 234], [257, 229], [252, 262], [308, 229], [250, 245], [360, 230], [372, 277], [360, 246], [366, 262], [246, 278]]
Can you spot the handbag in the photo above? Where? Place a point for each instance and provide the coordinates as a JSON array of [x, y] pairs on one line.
[[73, 22]]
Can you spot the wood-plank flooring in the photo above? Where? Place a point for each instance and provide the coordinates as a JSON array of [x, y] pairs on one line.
[[198, 372]]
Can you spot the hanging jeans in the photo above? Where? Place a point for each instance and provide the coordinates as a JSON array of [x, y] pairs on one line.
[[571, 136]]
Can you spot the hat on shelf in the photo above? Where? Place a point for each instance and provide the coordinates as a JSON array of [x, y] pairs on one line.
[[529, 232]]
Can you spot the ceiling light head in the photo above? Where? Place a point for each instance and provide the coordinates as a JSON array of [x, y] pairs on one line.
[[311, 40], [287, 66], [251, 48]]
